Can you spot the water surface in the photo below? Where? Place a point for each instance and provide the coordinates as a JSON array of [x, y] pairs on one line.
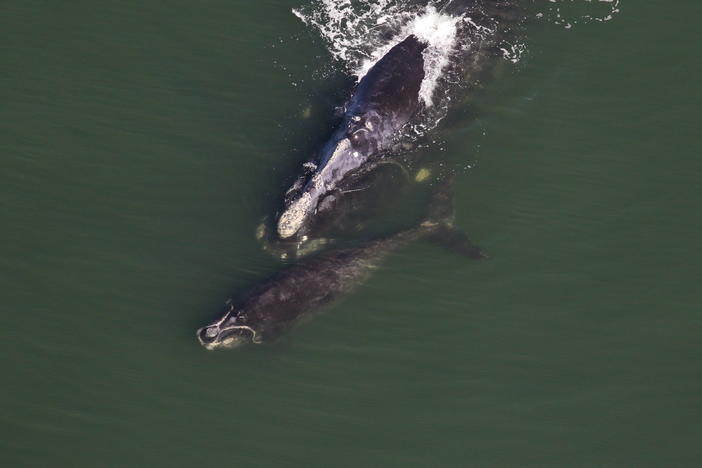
[[141, 144]]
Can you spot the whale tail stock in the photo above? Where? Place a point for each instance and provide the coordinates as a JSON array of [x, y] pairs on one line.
[[439, 222]]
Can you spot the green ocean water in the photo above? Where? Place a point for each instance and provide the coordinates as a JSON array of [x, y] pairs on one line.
[[142, 142]]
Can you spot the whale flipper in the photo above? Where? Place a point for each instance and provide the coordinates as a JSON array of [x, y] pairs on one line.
[[441, 212], [456, 240]]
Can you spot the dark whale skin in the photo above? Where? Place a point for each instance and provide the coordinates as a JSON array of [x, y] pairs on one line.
[[304, 287], [390, 91], [384, 101], [276, 304]]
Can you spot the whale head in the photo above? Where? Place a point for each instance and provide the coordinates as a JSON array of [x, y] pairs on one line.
[[340, 159], [230, 331], [295, 215]]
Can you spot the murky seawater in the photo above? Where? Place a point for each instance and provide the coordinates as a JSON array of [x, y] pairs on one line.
[[142, 143]]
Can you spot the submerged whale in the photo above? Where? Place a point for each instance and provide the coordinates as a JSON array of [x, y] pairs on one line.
[[279, 302], [383, 103]]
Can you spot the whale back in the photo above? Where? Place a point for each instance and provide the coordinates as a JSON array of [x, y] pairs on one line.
[[391, 86]]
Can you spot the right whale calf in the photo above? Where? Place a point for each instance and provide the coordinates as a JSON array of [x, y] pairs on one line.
[[301, 289], [279, 302], [384, 101]]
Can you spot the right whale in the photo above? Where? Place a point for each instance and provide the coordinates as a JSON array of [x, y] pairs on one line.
[[383, 103], [385, 100], [304, 287]]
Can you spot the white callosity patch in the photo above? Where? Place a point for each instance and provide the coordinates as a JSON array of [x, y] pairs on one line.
[[294, 216], [322, 182]]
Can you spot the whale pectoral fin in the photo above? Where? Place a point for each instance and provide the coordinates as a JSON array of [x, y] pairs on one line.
[[456, 241]]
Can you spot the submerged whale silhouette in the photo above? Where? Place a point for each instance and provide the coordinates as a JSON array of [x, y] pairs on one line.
[[279, 302], [302, 288]]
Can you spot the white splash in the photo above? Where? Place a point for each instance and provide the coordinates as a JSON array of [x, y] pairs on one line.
[[439, 32], [349, 28], [557, 12], [360, 33]]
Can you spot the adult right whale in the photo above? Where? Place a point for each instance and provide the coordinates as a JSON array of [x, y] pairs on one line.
[[385, 100]]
